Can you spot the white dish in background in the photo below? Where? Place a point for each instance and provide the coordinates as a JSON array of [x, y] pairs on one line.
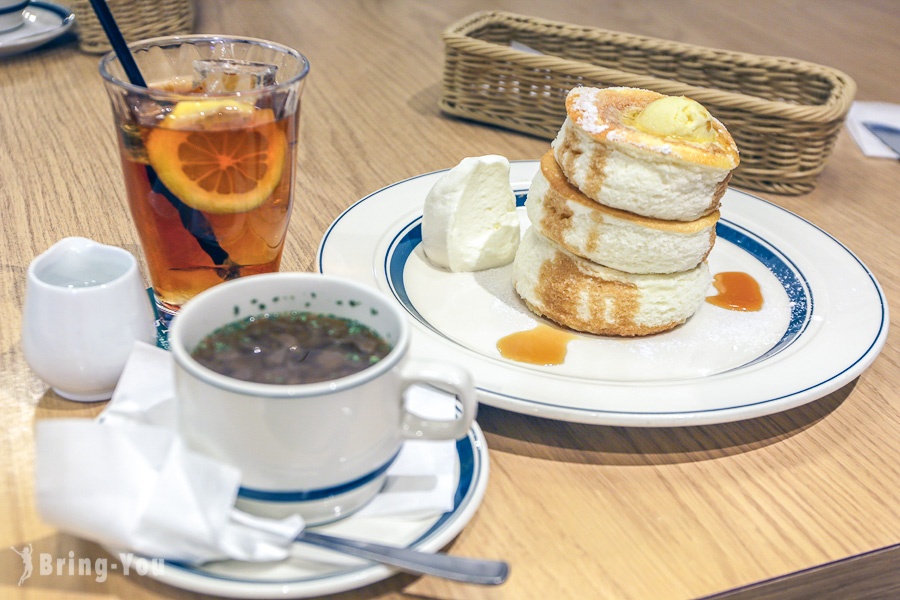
[[44, 21], [312, 571], [824, 319]]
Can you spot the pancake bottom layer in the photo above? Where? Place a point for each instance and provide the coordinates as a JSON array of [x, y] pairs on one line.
[[585, 296]]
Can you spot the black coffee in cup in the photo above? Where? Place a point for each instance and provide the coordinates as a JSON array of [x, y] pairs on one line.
[[291, 348]]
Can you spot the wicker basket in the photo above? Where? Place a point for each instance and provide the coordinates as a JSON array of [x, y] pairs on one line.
[[137, 19], [784, 114]]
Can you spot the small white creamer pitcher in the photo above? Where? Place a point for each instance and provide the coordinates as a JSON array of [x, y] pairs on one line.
[[85, 306]]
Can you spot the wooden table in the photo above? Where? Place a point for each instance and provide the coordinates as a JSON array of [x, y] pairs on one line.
[[801, 504]]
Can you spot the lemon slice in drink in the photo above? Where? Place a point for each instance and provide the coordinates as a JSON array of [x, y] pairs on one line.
[[218, 156]]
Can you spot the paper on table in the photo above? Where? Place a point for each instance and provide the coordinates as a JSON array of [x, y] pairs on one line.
[[137, 487], [872, 112], [119, 480]]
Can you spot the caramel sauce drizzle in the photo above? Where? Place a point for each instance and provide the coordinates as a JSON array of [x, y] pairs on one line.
[[543, 345], [737, 291]]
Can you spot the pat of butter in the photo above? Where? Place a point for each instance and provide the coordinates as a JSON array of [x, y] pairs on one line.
[[470, 221], [676, 116]]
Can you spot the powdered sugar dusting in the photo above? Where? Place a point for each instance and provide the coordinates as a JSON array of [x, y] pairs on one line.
[[584, 101], [625, 138]]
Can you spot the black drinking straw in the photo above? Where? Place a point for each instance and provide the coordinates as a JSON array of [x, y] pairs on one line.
[[192, 220], [114, 35]]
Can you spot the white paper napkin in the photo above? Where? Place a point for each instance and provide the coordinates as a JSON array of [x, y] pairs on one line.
[[137, 487], [872, 112], [128, 481]]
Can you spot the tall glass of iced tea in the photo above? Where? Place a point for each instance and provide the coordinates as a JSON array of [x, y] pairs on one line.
[[208, 156]]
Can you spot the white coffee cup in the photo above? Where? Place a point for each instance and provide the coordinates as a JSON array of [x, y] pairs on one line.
[[317, 449], [85, 306], [12, 14]]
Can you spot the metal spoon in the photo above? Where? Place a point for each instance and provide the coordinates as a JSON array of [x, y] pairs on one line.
[[468, 570]]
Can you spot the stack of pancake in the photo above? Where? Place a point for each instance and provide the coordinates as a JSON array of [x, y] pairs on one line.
[[623, 212]]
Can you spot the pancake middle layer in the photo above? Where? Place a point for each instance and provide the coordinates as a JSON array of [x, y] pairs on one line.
[[621, 166], [612, 237], [585, 296]]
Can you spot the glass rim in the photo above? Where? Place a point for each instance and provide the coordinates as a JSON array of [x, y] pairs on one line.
[[111, 56]]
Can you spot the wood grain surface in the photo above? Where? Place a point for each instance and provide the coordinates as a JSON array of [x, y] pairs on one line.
[[802, 504]]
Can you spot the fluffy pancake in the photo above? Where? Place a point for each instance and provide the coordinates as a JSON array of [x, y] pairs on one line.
[[585, 296], [612, 237], [619, 165]]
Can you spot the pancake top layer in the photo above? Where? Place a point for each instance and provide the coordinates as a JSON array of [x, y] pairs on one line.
[[608, 115], [554, 175]]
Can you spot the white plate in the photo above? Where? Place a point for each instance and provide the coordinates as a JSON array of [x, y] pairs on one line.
[[44, 21], [312, 571], [824, 319]]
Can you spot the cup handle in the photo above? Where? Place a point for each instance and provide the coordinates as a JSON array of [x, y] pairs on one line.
[[444, 376]]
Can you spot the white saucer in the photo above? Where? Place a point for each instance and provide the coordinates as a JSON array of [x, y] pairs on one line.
[[44, 21], [824, 319], [312, 571]]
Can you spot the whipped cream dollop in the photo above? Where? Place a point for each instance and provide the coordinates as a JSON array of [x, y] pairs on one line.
[[676, 116], [470, 221]]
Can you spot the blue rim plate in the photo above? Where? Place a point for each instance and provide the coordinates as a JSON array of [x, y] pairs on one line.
[[44, 22], [824, 319], [312, 571]]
